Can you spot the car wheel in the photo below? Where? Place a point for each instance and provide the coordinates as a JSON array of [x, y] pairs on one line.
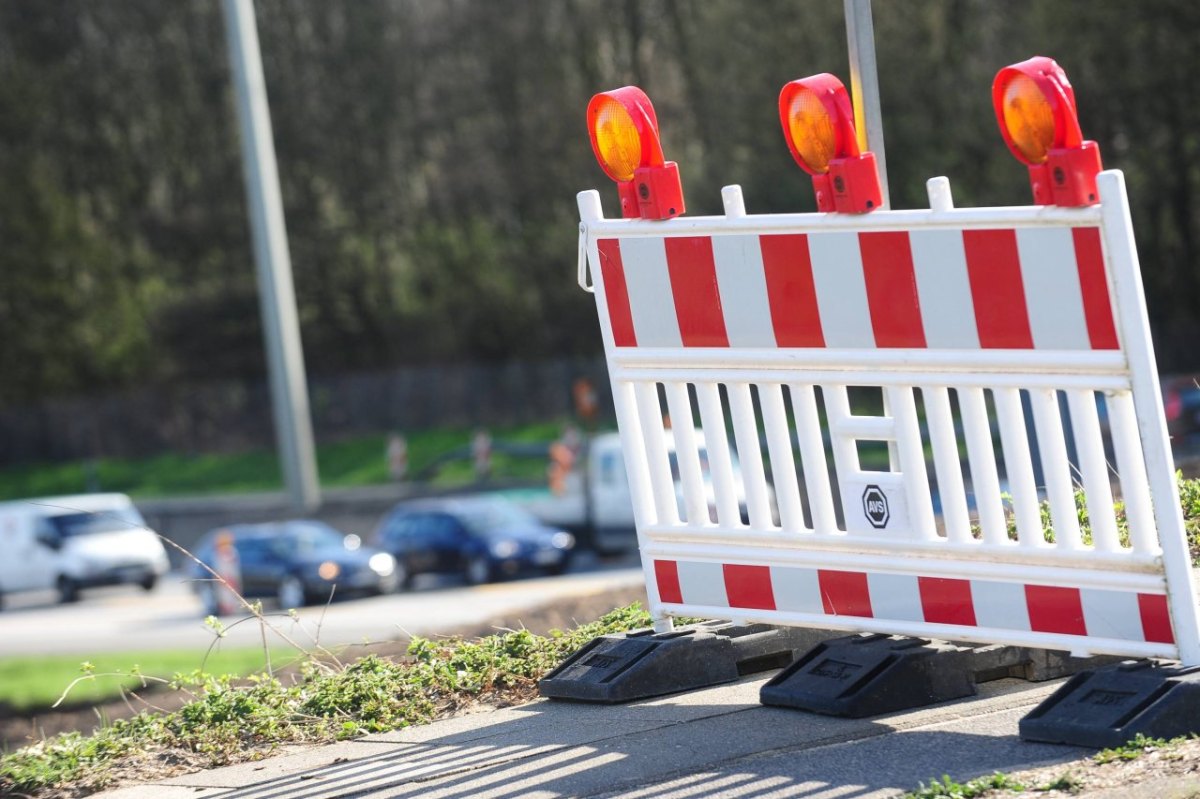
[[479, 570], [291, 593], [148, 582], [208, 599], [68, 590]]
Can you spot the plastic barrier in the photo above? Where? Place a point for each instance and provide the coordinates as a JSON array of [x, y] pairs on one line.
[[1026, 324]]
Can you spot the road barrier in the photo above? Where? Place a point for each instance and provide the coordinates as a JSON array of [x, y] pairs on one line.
[[768, 330]]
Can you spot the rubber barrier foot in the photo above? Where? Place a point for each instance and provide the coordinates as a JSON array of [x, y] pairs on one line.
[[865, 675], [623, 667], [1110, 706]]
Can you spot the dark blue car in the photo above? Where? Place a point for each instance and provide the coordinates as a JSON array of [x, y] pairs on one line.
[[482, 538], [296, 563]]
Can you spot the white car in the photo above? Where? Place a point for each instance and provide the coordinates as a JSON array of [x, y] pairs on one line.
[[75, 542]]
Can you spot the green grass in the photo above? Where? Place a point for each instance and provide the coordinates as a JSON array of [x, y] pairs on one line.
[[230, 721], [352, 462], [28, 683], [950, 789]]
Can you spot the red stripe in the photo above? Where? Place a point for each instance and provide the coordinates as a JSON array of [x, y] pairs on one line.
[[892, 289], [616, 292], [947, 601], [694, 287], [666, 574], [1097, 310], [749, 587], [997, 291], [791, 291], [844, 593], [1156, 619], [1055, 610]]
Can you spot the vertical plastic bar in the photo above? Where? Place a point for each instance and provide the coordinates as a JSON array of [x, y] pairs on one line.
[[948, 465], [982, 456], [745, 429], [1018, 465], [1093, 467], [837, 408], [662, 485], [1135, 488], [783, 465], [629, 425], [1134, 327], [1057, 471], [687, 454], [812, 455], [911, 457], [720, 465]]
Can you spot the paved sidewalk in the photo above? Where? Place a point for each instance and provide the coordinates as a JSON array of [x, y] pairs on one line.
[[718, 742]]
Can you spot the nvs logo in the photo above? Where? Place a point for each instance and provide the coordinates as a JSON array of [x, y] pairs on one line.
[[875, 507]]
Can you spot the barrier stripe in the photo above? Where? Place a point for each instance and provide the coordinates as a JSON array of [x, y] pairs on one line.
[[1119, 615], [616, 293], [1097, 308], [790, 290], [994, 268], [891, 289], [693, 273], [1036, 288]]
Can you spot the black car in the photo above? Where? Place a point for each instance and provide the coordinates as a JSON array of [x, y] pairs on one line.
[[483, 538], [296, 563]]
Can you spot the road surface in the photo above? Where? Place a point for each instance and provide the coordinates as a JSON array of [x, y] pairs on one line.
[[126, 619]]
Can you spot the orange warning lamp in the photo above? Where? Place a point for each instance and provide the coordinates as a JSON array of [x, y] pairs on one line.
[[624, 133], [1035, 106], [818, 124]]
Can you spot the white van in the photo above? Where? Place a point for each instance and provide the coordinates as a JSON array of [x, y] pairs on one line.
[[75, 542]]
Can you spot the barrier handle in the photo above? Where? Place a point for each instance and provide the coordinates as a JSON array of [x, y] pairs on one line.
[[589, 209]]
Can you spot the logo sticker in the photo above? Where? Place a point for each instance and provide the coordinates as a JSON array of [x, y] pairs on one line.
[[875, 507]]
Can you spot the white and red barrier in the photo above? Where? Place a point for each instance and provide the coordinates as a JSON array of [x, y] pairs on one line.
[[754, 328]]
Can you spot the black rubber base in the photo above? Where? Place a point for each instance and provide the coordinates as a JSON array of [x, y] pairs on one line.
[[865, 675], [627, 666], [1110, 706]]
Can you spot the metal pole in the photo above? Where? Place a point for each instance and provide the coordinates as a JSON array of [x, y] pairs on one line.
[[864, 86], [277, 296]]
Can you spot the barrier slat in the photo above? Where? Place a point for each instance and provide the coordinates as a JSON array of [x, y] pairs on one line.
[[1093, 466], [1052, 447], [911, 454], [720, 465], [982, 456], [1135, 487], [745, 430], [812, 455], [687, 454], [662, 486], [947, 463], [783, 465], [1018, 465]]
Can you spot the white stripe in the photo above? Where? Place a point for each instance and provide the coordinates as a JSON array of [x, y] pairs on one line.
[[1000, 605], [895, 596], [796, 590], [944, 289], [651, 303], [1112, 614], [1052, 294], [841, 290], [743, 287], [702, 584]]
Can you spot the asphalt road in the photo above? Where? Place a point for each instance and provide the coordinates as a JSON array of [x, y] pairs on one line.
[[127, 619]]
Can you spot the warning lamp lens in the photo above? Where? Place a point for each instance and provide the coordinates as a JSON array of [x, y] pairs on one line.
[[812, 131], [1029, 118], [617, 141]]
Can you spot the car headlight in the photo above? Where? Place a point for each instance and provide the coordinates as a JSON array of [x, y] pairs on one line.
[[329, 570], [505, 548], [562, 541], [382, 564]]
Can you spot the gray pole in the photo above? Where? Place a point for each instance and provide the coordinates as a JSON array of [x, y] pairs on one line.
[[864, 86], [277, 296]]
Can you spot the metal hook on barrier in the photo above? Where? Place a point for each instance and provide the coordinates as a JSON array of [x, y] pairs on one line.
[[583, 262]]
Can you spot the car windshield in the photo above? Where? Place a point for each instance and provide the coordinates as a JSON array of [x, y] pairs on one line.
[[485, 517], [72, 525], [302, 539]]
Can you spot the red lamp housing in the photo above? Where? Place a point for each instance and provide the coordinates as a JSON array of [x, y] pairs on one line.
[[624, 133], [818, 124], [1035, 107]]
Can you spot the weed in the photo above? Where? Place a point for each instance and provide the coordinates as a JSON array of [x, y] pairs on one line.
[[1135, 748], [949, 789]]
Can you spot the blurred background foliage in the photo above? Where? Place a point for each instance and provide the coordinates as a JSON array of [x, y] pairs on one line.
[[430, 153]]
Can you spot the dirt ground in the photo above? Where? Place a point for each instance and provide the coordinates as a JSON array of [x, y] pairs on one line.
[[18, 730]]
